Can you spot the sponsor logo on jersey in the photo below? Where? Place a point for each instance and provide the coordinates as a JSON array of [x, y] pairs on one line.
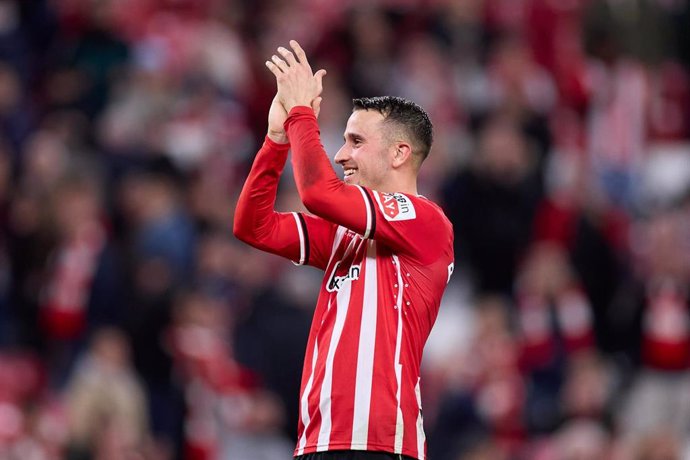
[[396, 206], [335, 282]]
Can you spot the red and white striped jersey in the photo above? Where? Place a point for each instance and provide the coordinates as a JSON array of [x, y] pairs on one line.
[[379, 299], [387, 258]]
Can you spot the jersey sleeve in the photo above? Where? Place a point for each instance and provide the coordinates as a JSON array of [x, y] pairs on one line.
[[410, 225], [316, 240], [259, 225], [320, 189], [255, 220]]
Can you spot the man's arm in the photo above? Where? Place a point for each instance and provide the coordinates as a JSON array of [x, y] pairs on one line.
[[256, 222], [321, 190], [301, 238]]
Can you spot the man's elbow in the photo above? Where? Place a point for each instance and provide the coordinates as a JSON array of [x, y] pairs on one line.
[[315, 201], [241, 230]]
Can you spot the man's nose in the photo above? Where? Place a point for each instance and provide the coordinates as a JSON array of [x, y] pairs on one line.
[[342, 155]]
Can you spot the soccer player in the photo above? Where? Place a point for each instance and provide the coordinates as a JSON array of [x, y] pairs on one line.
[[387, 253]]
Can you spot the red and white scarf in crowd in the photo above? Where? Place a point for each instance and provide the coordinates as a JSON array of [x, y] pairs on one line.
[[65, 299], [573, 315], [666, 326]]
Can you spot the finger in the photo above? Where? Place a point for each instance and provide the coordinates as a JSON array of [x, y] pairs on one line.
[[316, 106], [319, 79], [288, 56], [282, 65], [273, 68], [299, 52]]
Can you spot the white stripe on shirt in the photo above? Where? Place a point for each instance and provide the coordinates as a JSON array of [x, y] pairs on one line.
[[342, 304], [399, 423], [305, 401], [302, 245], [339, 233], [365, 354], [421, 437]]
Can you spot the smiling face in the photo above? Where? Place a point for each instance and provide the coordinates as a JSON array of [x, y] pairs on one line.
[[366, 156]]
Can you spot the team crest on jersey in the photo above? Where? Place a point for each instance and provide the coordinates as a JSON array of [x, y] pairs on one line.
[[396, 206]]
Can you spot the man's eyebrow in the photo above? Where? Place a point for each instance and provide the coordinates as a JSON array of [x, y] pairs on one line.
[[352, 136]]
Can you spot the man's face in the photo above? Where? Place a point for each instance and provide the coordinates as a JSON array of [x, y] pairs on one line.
[[365, 156]]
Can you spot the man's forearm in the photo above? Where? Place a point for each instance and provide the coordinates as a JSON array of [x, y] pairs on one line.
[[255, 214], [315, 178]]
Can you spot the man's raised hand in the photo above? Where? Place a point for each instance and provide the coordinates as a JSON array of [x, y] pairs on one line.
[[297, 84]]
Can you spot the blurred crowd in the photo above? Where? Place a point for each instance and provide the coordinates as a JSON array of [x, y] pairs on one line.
[[134, 326]]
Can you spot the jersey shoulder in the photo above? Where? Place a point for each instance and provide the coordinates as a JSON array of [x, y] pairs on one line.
[[397, 206], [433, 211], [416, 214]]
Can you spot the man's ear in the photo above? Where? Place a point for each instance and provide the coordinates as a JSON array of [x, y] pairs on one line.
[[402, 154]]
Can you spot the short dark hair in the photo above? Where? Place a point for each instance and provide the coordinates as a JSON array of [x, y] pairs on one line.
[[410, 116]]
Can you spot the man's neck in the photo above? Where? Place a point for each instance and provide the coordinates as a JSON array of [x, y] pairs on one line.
[[406, 187]]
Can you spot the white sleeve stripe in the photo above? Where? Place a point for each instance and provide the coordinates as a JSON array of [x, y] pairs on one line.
[[369, 211], [378, 200], [302, 249]]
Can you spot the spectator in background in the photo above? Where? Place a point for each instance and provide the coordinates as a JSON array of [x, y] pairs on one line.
[[162, 232], [96, 57], [271, 333], [372, 41], [482, 407], [32, 421], [229, 414], [574, 217], [83, 287], [160, 236], [106, 403], [555, 321], [492, 204], [641, 28], [657, 307], [423, 74], [16, 119], [616, 121], [500, 390]]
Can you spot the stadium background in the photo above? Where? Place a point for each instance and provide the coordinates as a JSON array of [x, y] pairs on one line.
[[133, 324]]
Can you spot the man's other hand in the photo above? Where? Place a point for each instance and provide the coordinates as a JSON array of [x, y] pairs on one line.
[[276, 118]]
